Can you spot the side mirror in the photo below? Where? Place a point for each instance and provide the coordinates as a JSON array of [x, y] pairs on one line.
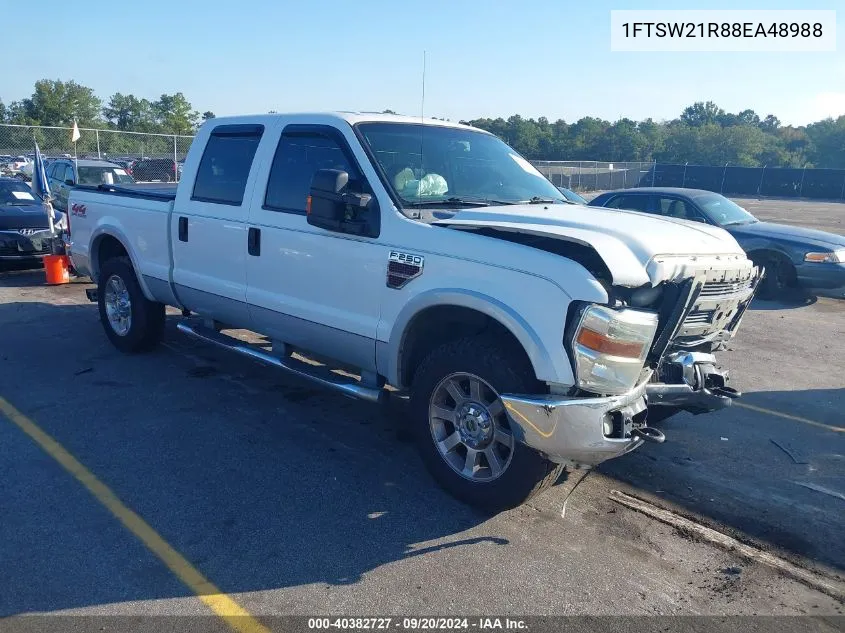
[[330, 206], [69, 182]]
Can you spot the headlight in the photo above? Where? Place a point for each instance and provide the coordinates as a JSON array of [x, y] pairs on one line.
[[830, 257], [610, 347]]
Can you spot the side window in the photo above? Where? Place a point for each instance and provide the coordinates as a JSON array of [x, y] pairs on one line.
[[675, 208], [631, 202], [225, 164], [298, 156], [64, 172]]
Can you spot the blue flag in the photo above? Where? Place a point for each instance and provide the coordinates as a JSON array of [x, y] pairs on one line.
[[40, 184]]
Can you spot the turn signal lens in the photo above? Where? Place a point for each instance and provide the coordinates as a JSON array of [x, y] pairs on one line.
[[835, 257], [308, 205], [603, 344]]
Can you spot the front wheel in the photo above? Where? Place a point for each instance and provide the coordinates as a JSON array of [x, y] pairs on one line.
[[132, 322], [463, 431]]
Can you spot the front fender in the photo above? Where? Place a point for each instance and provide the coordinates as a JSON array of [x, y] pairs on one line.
[[546, 368]]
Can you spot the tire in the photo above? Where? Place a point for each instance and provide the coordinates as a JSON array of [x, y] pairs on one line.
[[524, 472], [145, 325], [779, 277]]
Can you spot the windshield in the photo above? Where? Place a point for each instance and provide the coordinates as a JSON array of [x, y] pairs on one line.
[[15, 194], [427, 164], [723, 211], [103, 175]]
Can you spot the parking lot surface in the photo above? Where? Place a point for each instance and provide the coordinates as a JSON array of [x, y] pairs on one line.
[[291, 500]]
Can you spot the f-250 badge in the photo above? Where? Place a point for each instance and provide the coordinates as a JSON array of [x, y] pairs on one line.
[[402, 268]]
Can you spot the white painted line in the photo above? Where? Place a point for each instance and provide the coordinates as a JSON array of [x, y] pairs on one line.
[[821, 489], [830, 587]]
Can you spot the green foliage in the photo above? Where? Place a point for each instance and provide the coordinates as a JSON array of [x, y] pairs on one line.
[[704, 134]]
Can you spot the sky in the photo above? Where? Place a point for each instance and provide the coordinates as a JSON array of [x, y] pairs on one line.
[[494, 58]]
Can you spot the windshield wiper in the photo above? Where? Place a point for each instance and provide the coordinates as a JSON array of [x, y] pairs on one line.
[[738, 222], [456, 202], [539, 200]]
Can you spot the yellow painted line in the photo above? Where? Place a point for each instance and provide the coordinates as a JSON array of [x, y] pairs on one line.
[[221, 604], [787, 416]]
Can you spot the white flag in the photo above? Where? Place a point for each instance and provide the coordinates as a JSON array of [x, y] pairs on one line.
[[74, 136]]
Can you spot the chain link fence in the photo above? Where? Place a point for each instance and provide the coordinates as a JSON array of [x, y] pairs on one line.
[[588, 175], [147, 157]]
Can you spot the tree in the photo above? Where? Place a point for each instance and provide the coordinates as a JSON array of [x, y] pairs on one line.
[[128, 112], [700, 113], [3, 112], [175, 114], [208, 114], [770, 123], [55, 102]]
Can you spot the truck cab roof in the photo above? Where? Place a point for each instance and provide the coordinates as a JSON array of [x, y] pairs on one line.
[[336, 117]]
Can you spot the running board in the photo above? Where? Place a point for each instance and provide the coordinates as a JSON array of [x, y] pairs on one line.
[[328, 379]]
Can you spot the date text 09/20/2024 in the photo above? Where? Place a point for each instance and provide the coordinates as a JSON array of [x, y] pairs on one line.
[[417, 624]]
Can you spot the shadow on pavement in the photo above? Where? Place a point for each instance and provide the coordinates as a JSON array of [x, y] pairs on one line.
[[260, 482], [779, 482]]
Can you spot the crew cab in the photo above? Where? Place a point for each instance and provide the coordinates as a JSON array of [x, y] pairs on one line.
[[530, 333]]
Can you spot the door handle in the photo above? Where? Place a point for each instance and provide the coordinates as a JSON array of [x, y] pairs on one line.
[[183, 229], [253, 242]]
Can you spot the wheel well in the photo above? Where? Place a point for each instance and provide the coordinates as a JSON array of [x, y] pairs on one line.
[[437, 325], [763, 255], [107, 247]]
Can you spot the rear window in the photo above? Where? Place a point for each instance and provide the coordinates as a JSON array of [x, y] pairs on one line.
[[103, 176], [226, 161]]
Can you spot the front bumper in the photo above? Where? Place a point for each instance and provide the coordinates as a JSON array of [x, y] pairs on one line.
[[816, 276], [14, 246], [572, 430], [585, 431]]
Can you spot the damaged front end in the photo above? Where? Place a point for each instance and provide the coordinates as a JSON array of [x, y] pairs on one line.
[[707, 314]]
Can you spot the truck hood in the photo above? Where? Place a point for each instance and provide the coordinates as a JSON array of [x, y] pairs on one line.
[[634, 246]]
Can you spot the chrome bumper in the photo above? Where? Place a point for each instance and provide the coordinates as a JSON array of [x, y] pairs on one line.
[[587, 431], [578, 431]]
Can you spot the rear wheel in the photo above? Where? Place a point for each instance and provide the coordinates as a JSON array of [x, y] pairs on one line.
[[132, 322], [463, 431]]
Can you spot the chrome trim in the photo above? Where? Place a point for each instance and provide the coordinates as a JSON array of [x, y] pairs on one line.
[[234, 345], [570, 429]]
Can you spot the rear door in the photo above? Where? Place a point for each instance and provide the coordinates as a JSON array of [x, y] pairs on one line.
[[208, 225]]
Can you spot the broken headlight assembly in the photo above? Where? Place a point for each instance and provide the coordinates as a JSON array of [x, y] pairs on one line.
[[609, 347]]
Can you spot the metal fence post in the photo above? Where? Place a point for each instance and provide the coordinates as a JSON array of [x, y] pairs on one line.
[[579, 176], [842, 195], [175, 161], [724, 173], [653, 172], [684, 178], [801, 186], [760, 186], [97, 132]]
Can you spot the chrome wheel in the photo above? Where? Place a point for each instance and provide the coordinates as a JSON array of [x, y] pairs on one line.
[[118, 306], [470, 428]]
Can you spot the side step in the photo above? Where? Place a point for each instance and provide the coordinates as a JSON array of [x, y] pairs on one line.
[[303, 370]]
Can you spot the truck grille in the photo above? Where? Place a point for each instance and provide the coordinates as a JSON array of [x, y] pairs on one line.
[[726, 288], [720, 302]]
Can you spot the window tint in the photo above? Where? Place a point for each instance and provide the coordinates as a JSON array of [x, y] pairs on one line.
[[297, 158], [64, 172], [225, 165], [681, 209], [631, 202]]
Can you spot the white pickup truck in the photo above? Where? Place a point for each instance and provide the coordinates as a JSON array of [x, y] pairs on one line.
[[530, 333]]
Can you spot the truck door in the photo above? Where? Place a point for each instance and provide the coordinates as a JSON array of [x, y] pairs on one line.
[[316, 289], [209, 225]]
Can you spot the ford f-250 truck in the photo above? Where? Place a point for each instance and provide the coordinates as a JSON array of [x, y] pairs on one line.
[[529, 333]]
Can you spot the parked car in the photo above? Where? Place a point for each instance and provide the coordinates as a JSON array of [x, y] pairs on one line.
[[18, 163], [571, 196], [792, 255], [24, 225], [65, 174], [155, 169], [529, 333]]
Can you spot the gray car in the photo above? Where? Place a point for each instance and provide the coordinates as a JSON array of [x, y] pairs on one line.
[[65, 173]]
